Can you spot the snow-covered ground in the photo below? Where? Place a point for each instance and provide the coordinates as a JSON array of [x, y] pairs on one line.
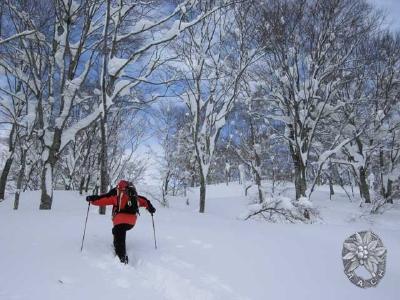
[[211, 256]]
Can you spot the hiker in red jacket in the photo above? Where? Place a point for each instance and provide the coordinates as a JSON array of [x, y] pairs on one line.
[[126, 203]]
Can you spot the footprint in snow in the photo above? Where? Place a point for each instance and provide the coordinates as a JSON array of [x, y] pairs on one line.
[[122, 283], [176, 262], [216, 282], [208, 246], [102, 265], [172, 285], [200, 243]]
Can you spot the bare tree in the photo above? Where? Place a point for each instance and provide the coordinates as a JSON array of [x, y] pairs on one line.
[[126, 22], [309, 44], [215, 57], [251, 142], [58, 60]]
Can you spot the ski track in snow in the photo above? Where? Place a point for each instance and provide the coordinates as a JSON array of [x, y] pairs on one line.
[[171, 277]]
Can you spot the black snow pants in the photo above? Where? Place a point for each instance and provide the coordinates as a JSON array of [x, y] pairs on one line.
[[119, 233]]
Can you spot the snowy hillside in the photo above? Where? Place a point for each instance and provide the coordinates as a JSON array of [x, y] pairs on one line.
[[211, 256]]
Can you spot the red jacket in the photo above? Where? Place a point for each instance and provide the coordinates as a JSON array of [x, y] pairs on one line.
[[121, 218]]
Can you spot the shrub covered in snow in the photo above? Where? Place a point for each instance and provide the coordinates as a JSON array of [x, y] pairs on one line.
[[282, 209]]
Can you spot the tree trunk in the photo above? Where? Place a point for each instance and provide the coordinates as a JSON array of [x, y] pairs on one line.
[[103, 163], [331, 190], [46, 187], [387, 192], [192, 180], [21, 175], [260, 194], [4, 175], [81, 185], [9, 161], [69, 186], [202, 192], [299, 177], [386, 189], [165, 188], [46, 177], [227, 175], [258, 183], [104, 179], [389, 198], [363, 185], [87, 184]]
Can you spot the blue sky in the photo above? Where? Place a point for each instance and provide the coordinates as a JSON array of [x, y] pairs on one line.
[[392, 9]]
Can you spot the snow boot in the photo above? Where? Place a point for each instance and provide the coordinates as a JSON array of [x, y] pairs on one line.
[[124, 259]]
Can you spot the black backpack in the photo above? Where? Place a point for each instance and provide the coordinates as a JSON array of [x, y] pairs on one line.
[[131, 206]]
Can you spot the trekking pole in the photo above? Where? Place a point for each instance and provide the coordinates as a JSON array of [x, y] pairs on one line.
[[154, 232], [84, 230]]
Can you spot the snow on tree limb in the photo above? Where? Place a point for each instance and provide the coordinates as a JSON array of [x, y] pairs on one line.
[[18, 35]]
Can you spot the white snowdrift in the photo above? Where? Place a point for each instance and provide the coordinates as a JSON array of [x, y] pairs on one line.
[[210, 256]]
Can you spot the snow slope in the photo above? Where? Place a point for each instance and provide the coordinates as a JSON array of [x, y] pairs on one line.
[[210, 256]]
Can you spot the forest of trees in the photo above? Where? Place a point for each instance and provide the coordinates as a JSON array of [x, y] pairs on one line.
[[301, 91]]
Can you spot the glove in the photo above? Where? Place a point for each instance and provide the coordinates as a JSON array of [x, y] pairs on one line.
[[92, 198], [150, 208]]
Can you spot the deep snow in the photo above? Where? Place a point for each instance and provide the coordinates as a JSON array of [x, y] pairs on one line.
[[210, 256]]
